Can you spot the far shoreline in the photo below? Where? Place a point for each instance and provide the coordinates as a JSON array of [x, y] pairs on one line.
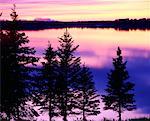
[[119, 24]]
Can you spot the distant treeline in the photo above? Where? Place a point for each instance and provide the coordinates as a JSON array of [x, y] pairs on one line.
[[119, 24]]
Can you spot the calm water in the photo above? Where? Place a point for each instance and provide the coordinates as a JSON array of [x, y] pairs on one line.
[[97, 48]]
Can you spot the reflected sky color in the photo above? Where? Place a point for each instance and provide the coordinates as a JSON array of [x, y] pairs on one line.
[[96, 45], [71, 10], [97, 48]]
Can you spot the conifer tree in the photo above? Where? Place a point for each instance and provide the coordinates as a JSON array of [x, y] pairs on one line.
[[69, 67], [15, 56], [119, 96], [48, 83], [87, 97]]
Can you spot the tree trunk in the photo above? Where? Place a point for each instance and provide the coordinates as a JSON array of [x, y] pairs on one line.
[[65, 107], [119, 112], [65, 117], [84, 118], [65, 111], [83, 108], [119, 116], [66, 100], [50, 110], [18, 117], [8, 117]]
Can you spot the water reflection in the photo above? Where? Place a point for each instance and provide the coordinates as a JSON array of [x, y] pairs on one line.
[[97, 47], [99, 43]]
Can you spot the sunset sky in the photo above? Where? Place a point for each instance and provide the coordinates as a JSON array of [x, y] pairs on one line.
[[72, 10], [97, 46]]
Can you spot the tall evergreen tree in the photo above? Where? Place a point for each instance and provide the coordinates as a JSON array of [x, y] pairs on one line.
[[119, 95], [69, 67], [15, 56], [87, 97], [48, 83]]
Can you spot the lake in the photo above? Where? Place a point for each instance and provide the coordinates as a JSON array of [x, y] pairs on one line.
[[97, 47]]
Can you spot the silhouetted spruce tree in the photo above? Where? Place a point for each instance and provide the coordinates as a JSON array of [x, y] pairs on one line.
[[87, 97], [68, 69], [48, 101], [15, 55], [119, 96]]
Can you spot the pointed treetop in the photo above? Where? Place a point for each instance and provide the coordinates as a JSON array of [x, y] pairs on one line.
[[66, 30], [14, 14], [119, 51], [66, 33], [49, 44], [66, 37], [14, 6]]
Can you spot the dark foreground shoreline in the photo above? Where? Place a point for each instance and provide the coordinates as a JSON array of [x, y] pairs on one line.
[[120, 24]]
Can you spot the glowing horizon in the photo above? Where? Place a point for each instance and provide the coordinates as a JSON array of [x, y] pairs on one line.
[[69, 10]]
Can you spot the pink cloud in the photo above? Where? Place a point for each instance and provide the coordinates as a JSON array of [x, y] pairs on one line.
[[66, 2]]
